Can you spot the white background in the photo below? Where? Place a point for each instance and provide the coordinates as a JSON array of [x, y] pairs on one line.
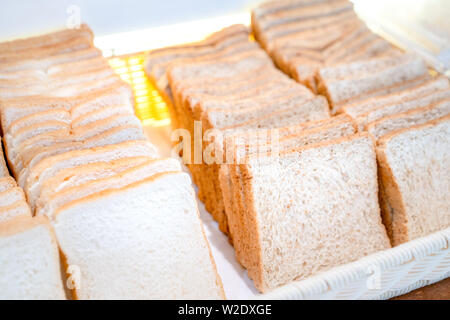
[[19, 18]]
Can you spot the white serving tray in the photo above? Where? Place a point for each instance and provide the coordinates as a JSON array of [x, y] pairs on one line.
[[382, 275]]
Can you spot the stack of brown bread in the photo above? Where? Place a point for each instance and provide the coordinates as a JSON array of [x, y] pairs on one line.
[[77, 149], [231, 93], [279, 212], [302, 36], [411, 131], [29, 257], [389, 94], [296, 191]]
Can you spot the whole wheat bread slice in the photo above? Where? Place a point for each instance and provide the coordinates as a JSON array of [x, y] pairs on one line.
[[413, 167]]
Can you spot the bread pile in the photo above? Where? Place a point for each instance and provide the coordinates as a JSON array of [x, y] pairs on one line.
[[388, 94], [29, 257], [410, 128], [76, 148], [269, 198], [219, 91], [303, 36]]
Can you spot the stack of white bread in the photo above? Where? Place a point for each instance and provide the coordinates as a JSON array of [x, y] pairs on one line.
[[302, 36], [295, 189], [126, 221], [29, 256]]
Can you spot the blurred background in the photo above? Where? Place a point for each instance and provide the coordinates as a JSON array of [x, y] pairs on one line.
[[136, 25]]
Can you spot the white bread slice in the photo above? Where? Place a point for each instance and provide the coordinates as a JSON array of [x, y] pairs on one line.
[[100, 136], [102, 113], [92, 129], [75, 44], [121, 95], [315, 207], [30, 267], [407, 119], [13, 210], [54, 73], [345, 83], [140, 211], [33, 149], [14, 109], [113, 136], [14, 140], [84, 173], [413, 166], [6, 183], [12, 145], [50, 205], [47, 62], [62, 86], [49, 167], [64, 75], [10, 196], [57, 114], [46, 40]]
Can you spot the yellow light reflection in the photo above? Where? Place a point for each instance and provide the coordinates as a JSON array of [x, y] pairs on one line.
[[150, 107]]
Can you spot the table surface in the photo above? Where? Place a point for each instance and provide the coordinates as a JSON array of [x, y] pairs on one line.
[[437, 291]]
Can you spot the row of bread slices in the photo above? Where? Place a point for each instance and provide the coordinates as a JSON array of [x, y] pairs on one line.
[[322, 44], [280, 214], [379, 87], [296, 190], [228, 89], [126, 222], [303, 36]]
